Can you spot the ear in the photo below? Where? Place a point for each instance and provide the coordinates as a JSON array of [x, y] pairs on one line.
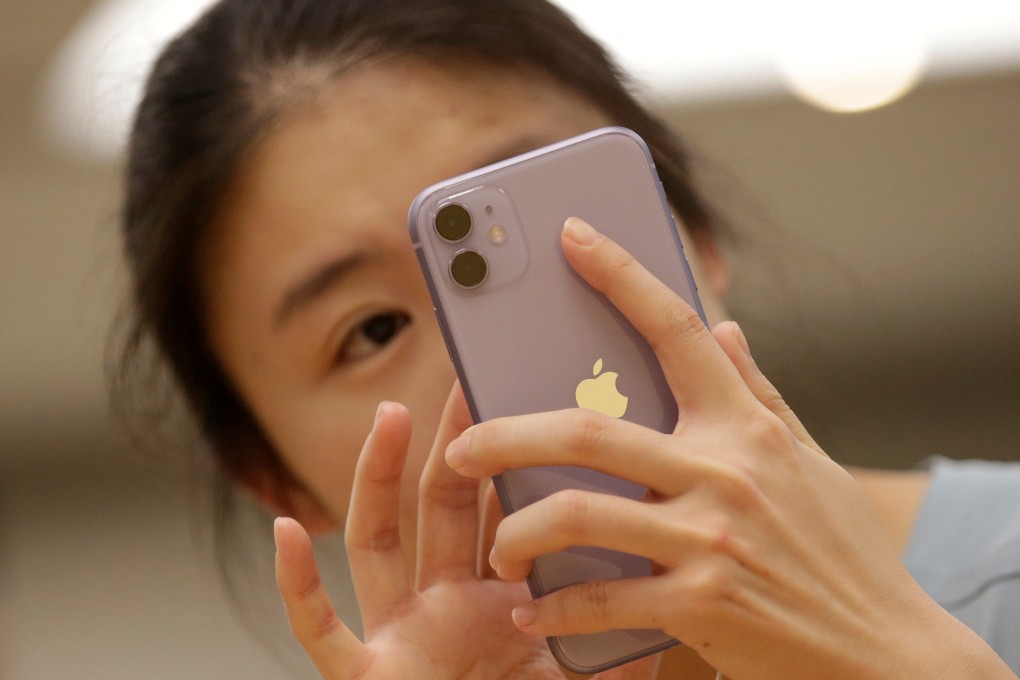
[[715, 269], [286, 496], [246, 457]]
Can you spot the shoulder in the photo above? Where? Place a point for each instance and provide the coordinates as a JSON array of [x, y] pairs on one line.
[[965, 548]]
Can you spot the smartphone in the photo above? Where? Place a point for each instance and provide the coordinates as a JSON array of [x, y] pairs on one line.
[[526, 334]]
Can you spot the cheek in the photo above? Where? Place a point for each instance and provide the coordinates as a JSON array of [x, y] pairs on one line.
[[322, 451], [322, 436], [426, 390]]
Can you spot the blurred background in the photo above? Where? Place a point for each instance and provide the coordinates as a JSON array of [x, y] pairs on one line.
[[868, 157]]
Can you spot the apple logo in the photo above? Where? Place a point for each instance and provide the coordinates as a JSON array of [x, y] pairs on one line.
[[600, 393]]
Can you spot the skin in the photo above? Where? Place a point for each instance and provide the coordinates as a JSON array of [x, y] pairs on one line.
[[332, 183], [336, 177], [771, 562]]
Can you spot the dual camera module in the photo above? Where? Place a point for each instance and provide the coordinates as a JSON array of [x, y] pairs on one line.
[[477, 235], [468, 268]]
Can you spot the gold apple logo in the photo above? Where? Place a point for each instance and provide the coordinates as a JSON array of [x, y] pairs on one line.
[[600, 393]]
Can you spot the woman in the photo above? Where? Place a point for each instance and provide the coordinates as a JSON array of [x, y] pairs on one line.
[[272, 162]]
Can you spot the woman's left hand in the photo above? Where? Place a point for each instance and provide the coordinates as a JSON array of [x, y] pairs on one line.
[[438, 618], [771, 563]]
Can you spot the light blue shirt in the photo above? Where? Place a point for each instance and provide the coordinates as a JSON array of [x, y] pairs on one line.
[[965, 548]]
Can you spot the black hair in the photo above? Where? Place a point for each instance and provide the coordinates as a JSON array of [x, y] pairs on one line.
[[218, 88]]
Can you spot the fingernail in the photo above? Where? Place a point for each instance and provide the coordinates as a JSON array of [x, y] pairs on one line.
[[743, 341], [379, 410], [579, 231], [276, 529], [457, 452], [525, 615], [492, 558]]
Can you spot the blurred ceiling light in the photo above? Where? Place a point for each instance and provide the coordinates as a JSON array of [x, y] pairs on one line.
[[95, 82], [853, 57], [843, 56]]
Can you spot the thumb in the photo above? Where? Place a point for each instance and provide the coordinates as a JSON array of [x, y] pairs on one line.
[[328, 641]]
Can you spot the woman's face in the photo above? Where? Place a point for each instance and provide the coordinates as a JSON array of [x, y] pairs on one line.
[[313, 300]]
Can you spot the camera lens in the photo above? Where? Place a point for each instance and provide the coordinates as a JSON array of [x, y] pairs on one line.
[[469, 269], [453, 222]]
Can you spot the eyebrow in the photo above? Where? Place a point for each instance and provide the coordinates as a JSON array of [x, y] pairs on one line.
[[314, 286]]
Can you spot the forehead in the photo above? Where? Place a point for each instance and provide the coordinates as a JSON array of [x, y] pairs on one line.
[[342, 169], [382, 133]]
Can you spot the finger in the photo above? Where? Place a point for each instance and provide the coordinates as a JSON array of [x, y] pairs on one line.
[[580, 437], [696, 369], [594, 607], [447, 506], [329, 643], [372, 535], [492, 514], [646, 602], [642, 669], [574, 518], [731, 338]]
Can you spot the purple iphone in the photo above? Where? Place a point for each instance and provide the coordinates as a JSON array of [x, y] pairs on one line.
[[527, 334]]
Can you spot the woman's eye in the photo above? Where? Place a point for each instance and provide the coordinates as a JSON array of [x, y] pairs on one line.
[[371, 335]]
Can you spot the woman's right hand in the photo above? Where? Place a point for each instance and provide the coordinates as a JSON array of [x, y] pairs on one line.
[[448, 621], [770, 561]]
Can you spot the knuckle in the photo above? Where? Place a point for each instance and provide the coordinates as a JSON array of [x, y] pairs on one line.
[[679, 322], [439, 485], [307, 592], [489, 442], [449, 492], [311, 616], [739, 486], [380, 539], [721, 539], [623, 265], [322, 633], [770, 434], [774, 402], [594, 597], [486, 436], [587, 432], [725, 540], [709, 588], [570, 511], [320, 625]]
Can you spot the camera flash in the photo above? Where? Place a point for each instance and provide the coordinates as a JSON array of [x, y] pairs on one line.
[[497, 234]]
